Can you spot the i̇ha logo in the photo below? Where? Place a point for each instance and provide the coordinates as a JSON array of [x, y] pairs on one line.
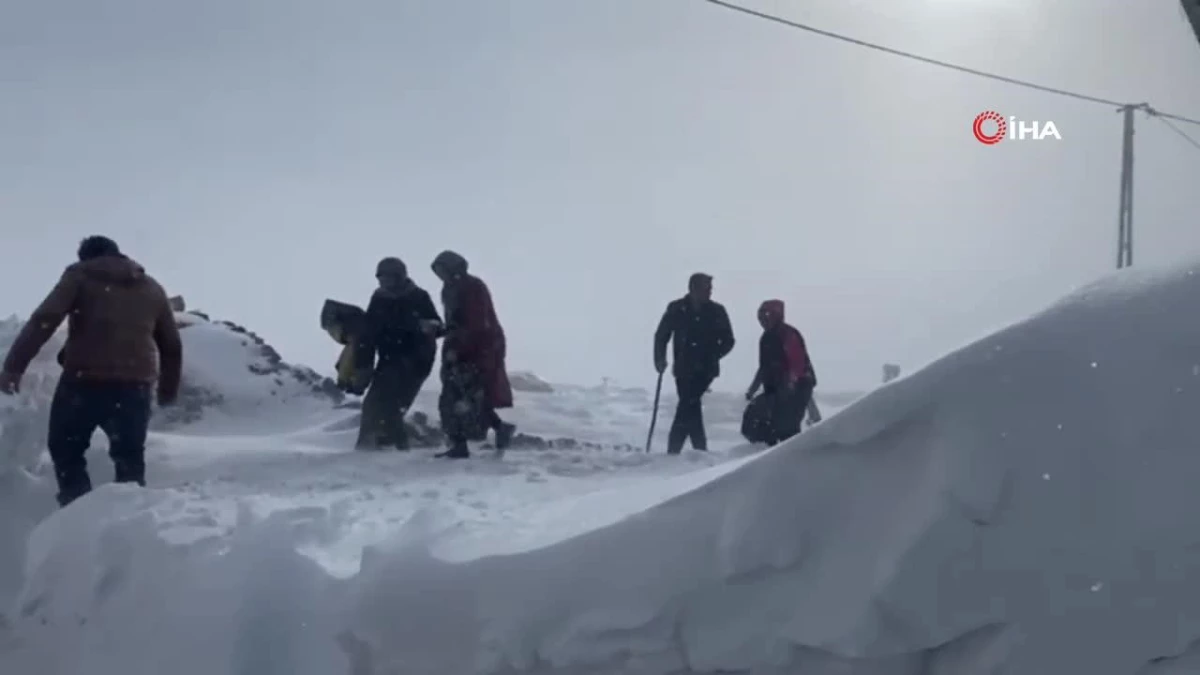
[[990, 128]]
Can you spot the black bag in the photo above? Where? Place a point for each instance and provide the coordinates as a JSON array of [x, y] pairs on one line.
[[342, 321], [757, 419]]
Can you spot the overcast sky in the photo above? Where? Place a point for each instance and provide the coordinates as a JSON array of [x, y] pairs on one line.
[[586, 156]]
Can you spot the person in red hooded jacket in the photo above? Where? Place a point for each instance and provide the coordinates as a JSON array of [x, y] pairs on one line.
[[785, 373], [474, 380]]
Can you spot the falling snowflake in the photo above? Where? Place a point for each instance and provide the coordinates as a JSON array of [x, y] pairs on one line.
[[1045, 476], [1096, 587]]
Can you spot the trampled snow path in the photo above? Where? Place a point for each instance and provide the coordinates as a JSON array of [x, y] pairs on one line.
[[353, 499]]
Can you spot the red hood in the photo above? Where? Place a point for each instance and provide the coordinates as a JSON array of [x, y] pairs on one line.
[[772, 308]]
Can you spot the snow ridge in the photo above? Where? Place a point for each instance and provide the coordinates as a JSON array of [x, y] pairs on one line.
[[1022, 506]]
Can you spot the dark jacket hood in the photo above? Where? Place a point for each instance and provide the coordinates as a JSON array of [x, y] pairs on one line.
[[112, 269], [454, 264]]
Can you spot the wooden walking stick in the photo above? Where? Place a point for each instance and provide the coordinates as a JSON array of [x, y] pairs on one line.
[[654, 415]]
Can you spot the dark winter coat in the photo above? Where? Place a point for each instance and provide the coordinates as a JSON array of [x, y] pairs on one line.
[[120, 326], [701, 334], [786, 374], [473, 333], [783, 360], [393, 331]]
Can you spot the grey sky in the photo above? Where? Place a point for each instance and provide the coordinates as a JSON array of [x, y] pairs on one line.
[[586, 156]]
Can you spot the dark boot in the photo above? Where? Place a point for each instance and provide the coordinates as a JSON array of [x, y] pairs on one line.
[[504, 435], [458, 450], [675, 439], [399, 435], [368, 442], [402, 444]]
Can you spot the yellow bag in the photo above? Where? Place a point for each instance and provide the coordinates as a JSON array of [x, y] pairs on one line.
[[341, 320]]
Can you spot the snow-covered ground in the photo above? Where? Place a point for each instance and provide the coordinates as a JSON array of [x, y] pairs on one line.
[[258, 433], [1023, 506], [255, 437]]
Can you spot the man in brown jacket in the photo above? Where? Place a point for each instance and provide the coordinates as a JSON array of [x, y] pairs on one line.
[[121, 338]]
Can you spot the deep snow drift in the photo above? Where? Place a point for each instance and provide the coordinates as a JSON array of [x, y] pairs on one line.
[[1022, 506]]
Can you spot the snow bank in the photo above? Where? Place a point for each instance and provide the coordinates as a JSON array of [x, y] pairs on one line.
[[1025, 505], [523, 380], [24, 498], [234, 380], [136, 600]]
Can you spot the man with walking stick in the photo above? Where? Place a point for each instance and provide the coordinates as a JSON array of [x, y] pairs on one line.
[[701, 335]]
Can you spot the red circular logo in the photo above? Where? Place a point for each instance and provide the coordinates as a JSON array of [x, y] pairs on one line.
[[993, 138]]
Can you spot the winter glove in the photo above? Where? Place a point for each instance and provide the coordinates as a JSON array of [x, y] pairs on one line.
[[167, 398], [10, 383], [660, 365]]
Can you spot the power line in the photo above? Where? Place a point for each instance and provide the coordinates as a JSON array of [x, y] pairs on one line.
[[1125, 212], [1182, 134], [1177, 118], [935, 62]]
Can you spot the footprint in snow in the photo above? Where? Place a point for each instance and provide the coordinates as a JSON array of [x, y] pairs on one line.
[[199, 520]]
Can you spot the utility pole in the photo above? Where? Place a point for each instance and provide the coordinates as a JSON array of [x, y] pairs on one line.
[[1125, 210]]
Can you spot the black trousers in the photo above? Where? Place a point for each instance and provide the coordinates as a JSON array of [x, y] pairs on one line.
[[788, 407], [689, 413], [394, 387], [463, 405], [120, 409]]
